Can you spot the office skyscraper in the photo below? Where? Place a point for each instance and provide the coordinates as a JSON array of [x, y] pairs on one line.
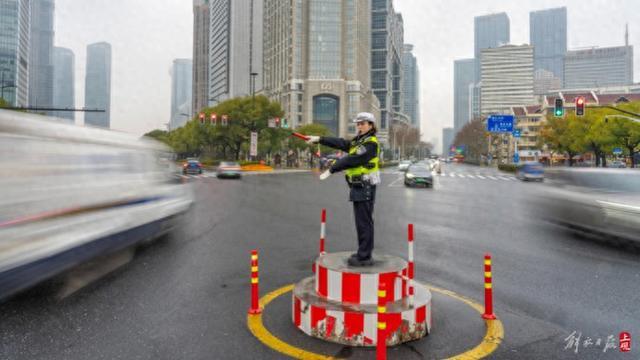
[[235, 48], [387, 39], [447, 140], [490, 31], [41, 54], [548, 35], [181, 81], [507, 78], [63, 83], [14, 51], [463, 77], [317, 61], [97, 85], [411, 75], [200, 81], [598, 67]]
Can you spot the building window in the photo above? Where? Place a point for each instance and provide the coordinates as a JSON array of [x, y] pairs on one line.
[[326, 110]]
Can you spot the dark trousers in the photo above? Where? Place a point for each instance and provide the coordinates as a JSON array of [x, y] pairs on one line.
[[363, 211]]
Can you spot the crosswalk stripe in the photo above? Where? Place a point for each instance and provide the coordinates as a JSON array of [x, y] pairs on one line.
[[491, 177], [480, 176], [461, 175], [471, 176]]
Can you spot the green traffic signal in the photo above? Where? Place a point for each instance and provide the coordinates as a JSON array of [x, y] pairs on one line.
[[559, 107]]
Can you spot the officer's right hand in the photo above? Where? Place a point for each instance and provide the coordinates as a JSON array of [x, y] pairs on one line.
[[313, 139]]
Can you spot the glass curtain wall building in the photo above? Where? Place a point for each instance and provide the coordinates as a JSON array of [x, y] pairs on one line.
[[200, 81], [97, 85], [63, 83], [181, 81], [411, 76], [317, 61], [235, 48], [463, 77], [548, 35], [14, 51], [41, 54]]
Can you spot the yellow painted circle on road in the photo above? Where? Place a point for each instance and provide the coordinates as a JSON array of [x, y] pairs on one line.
[[492, 338]]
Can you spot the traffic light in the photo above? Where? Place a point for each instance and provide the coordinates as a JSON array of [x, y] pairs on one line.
[[214, 119], [285, 124], [201, 116], [225, 120], [277, 122], [580, 102], [559, 108]]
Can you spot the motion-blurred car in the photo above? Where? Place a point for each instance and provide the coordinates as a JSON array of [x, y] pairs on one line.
[[192, 166], [404, 165], [530, 170], [599, 201], [418, 175], [229, 169], [617, 164]]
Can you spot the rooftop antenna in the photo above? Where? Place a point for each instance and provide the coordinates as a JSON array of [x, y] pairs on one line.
[[626, 35]]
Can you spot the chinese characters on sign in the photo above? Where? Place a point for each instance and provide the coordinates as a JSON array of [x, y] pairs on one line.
[[500, 123], [575, 340]]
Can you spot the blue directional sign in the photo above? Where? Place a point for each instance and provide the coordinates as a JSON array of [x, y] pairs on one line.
[[500, 123], [516, 133], [516, 158], [617, 151]]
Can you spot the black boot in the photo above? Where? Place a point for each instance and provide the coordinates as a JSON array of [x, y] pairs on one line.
[[354, 261]]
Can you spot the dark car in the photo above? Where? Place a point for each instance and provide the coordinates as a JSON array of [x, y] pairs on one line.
[[530, 170], [599, 201], [418, 175], [192, 166], [229, 169]]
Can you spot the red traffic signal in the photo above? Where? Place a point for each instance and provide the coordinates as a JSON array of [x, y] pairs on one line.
[[225, 120], [201, 116], [277, 122], [214, 119], [580, 103]]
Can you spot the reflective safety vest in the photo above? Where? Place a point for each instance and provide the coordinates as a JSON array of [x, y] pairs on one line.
[[369, 171]]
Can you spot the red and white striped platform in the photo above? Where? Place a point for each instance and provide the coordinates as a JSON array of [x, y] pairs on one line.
[[339, 303]]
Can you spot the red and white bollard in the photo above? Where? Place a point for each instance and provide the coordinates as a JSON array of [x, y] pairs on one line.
[[255, 306], [488, 290], [381, 342], [322, 230], [411, 267]]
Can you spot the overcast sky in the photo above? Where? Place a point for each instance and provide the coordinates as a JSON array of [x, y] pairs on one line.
[[146, 35]]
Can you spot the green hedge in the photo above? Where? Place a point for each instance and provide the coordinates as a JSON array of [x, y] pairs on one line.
[[508, 167]]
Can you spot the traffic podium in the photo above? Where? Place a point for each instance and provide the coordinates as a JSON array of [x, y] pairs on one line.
[[340, 302]]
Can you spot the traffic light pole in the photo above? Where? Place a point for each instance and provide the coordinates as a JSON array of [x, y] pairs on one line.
[[615, 108]]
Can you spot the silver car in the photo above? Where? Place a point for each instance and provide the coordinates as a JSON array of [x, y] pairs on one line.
[[597, 201]]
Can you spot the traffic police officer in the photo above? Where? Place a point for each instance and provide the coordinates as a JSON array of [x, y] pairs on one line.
[[362, 175]]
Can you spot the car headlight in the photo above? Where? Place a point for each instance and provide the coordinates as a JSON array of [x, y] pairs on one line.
[[410, 176]]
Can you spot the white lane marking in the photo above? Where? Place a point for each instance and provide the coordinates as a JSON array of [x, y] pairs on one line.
[[461, 175], [504, 178], [471, 176], [491, 177], [452, 174], [480, 176], [396, 180]]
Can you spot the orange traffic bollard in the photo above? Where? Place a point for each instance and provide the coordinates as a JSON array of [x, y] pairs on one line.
[[255, 306], [488, 290], [381, 343]]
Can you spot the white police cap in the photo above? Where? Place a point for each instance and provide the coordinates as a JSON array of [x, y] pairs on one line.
[[364, 116]]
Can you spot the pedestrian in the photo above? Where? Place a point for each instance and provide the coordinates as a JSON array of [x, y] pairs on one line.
[[362, 174]]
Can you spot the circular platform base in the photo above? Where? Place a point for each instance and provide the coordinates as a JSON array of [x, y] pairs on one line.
[[356, 324]]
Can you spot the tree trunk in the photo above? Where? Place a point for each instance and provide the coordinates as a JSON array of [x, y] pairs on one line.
[[604, 159], [632, 153]]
